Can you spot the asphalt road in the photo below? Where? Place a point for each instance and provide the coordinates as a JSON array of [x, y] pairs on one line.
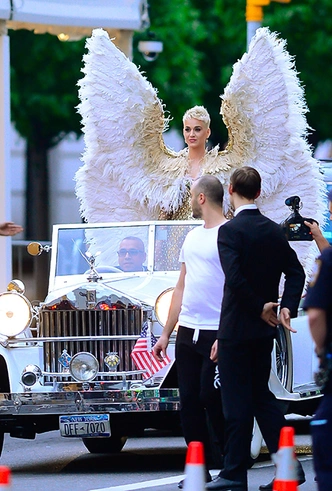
[[155, 462]]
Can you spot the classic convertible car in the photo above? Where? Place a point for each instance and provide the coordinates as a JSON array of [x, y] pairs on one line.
[[81, 360]]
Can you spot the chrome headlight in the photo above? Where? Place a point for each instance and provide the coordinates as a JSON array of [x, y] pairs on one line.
[[162, 305], [30, 375], [15, 313], [83, 367]]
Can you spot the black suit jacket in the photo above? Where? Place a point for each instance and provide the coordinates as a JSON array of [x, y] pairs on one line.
[[254, 253]]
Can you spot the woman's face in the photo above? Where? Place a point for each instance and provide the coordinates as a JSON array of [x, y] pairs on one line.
[[195, 133]]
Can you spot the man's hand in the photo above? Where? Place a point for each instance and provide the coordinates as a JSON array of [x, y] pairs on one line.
[[314, 229], [159, 349], [214, 351], [285, 319], [268, 313], [317, 235], [10, 228]]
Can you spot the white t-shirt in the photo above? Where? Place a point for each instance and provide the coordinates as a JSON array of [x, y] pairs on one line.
[[204, 280]]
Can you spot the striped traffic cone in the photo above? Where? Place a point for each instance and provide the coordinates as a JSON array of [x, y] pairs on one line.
[[195, 468], [5, 477], [286, 475]]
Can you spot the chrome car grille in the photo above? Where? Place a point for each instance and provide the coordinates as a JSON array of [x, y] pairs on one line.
[[94, 324]]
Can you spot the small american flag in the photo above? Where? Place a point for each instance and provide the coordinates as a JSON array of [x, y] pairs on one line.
[[142, 353]]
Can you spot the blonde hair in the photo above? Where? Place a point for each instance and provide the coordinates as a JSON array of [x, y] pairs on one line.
[[198, 112]]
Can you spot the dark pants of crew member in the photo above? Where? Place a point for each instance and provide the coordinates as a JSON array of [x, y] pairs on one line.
[[244, 369], [321, 431], [199, 389]]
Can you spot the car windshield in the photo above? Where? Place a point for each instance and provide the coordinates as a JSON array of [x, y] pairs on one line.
[[118, 248]]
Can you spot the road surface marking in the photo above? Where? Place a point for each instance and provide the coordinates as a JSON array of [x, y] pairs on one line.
[[144, 484]]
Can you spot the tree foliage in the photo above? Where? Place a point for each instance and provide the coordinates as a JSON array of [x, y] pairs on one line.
[[307, 27], [211, 36], [44, 74], [202, 40]]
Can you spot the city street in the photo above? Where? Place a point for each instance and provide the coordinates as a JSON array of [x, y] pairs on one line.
[[155, 462], [165, 180]]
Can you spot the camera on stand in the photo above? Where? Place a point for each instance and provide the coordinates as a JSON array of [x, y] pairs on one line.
[[294, 227]]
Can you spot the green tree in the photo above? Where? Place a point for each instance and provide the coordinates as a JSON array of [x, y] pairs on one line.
[[44, 74], [177, 71], [307, 27], [204, 38]]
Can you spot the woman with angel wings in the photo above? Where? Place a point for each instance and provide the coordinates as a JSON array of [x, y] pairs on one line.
[[130, 174], [196, 131]]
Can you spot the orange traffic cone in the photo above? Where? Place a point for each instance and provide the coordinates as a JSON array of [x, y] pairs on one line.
[[286, 475], [195, 468], [5, 477]]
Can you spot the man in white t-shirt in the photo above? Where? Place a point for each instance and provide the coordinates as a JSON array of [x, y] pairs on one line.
[[196, 306]]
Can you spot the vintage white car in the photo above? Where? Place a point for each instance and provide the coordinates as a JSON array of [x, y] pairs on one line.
[[72, 363]]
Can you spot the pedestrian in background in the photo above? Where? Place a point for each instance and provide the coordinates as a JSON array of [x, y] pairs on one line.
[[318, 303], [254, 253]]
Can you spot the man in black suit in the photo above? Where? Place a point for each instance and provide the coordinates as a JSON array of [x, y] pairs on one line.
[[253, 253]]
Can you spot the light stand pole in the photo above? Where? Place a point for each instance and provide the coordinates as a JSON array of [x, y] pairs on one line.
[[252, 27], [254, 15]]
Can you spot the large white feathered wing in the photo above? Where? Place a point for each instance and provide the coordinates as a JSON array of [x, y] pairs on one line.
[[264, 109], [128, 172]]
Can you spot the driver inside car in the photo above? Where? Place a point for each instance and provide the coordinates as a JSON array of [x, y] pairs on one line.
[[131, 255]]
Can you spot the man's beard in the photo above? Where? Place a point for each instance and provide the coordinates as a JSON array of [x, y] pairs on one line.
[[197, 213]]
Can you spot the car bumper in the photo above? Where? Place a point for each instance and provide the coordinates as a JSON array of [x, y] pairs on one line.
[[43, 403]]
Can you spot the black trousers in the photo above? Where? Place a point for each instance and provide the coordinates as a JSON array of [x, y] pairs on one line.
[[199, 390], [321, 431], [244, 374]]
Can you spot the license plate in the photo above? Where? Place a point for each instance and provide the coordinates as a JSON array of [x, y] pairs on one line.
[[85, 425]]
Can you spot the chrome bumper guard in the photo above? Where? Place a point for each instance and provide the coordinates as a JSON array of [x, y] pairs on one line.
[[81, 401]]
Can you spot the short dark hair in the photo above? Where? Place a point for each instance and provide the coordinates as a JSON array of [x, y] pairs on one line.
[[137, 239], [211, 187], [246, 182]]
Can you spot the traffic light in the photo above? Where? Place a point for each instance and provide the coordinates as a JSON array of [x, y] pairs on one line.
[[254, 10]]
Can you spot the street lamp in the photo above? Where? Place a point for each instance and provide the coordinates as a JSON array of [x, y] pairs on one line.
[[254, 15]]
